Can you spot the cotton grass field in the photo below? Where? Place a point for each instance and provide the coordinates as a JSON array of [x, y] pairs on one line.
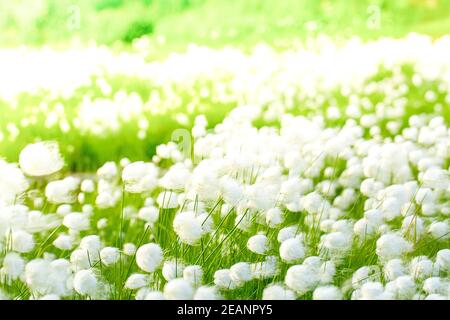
[[316, 170]]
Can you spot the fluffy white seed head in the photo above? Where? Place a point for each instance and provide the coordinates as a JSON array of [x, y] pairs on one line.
[[149, 257], [40, 159]]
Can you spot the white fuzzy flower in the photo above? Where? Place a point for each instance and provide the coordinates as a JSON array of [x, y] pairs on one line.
[[207, 293], [178, 289], [13, 266], [41, 159], [258, 244], [22, 241], [443, 260], [140, 177], [391, 246], [64, 242], [292, 250], [302, 278], [129, 249], [167, 200], [136, 281], [393, 269], [109, 255], [193, 274], [62, 191], [85, 282], [172, 269], [187, 227], [149, 257], [12, 183], [277, 292], [77, 221], [327, 293], [149, 214], [241, 272], [222, 279]]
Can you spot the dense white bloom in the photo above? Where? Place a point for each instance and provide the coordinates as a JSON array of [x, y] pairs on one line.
[[222, 279], [172, 269], [327, 293], [402, 287], [41, 159], [167, 200], [336, 242], [207, 293], [136, 281], [274, 217], [63, 242], [129, 249], [109, 255], [374, 291], [85, 282], [365, 274], [302, 278], [193, 274], [92, 246], [22, 241], [439, 230], [421, 267], [443, 260], [149, 257], [178, 289], [149, 214], [140, 177], [258, 244], [277, 292], [13, 266], [187, 227], [108, 171], [436, 285], [87, 186], [62, 191], [287, 233], [77, 221], [292, 250], [12, 184], [154, 295], [393, 269], [241, 272], [391, 246]]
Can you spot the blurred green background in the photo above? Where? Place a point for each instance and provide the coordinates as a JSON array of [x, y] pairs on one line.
[[176, 23]]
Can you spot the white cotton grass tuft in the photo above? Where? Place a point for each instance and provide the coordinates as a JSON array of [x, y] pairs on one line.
[[109, 255], [85, 282], [41, 159], [207, 293], [327, 293], [277, 292], [12, 184], [292, 250], [137, 281], [193, 274], [187, 227], [302, 278], [222, 279], [258, 244], [172, 269], [241, 272], [178, 289], [140, 177], [149, 257]]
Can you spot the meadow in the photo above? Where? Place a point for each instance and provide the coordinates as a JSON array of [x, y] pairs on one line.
[[152, 150]]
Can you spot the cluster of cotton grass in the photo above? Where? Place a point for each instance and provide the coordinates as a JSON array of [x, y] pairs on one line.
[[299, 211], [185, 84]]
